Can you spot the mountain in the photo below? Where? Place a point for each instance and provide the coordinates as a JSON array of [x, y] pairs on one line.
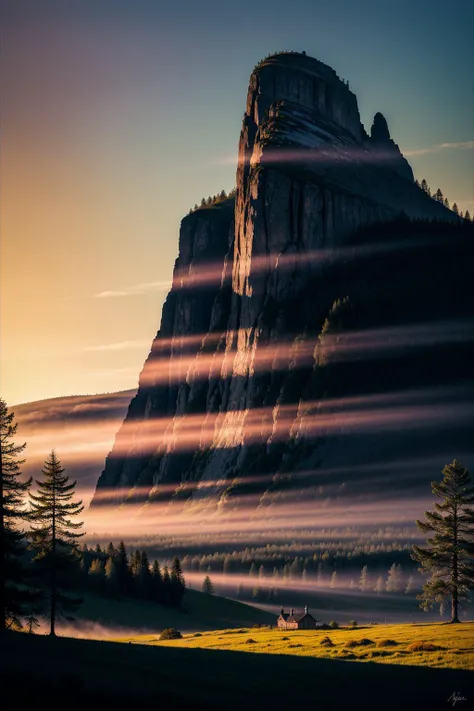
[[317, 339]]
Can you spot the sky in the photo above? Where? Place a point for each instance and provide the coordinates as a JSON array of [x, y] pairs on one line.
[[117, 116]]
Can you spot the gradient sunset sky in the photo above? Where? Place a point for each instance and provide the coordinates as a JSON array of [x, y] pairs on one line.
[[117, 116]]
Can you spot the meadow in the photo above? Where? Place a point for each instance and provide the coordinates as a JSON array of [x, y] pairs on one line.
[[434, 645]]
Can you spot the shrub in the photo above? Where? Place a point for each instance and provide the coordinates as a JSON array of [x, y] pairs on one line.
[[286, 638], [171, 633], [387, 643], [327, 642], [250, 641], [334, 625], [423, 647], [353, 623], [364, 642], [292, 646], [197, 634]]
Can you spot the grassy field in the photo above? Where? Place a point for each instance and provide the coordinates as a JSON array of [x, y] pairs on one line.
[[435, 645], [78, 673]]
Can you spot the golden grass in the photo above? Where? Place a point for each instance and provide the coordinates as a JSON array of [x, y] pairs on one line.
[[434, 645]]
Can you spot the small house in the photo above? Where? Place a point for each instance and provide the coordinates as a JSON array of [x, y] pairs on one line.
[[296, 621]]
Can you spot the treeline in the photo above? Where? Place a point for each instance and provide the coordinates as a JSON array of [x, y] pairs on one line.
[[439, 197], [113, 572], [268, 588], [213, 200]]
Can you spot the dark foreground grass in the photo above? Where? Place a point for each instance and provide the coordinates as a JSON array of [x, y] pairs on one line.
[[70, 673]]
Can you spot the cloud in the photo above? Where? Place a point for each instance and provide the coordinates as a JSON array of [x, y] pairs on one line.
[[438, 147], [121, 346], [135, 290]]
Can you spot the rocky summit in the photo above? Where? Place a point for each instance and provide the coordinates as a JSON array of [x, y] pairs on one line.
[[316, 340]]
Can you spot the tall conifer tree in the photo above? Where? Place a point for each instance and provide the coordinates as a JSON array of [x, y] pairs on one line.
[[177, 583], [12, 513], [55, 536], [450, 551]]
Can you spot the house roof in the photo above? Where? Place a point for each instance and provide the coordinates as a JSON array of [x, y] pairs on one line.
[[296, 617]]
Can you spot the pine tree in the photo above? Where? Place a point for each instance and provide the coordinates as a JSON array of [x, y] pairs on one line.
[[135, 564], [55, 535], [467, 216], [144, 577], [111, 576], [207, 586], [425, 187], [156, 583], [364, 579], [455, 208], [439, 197], [123, 570], [446, 203], [166, 586], [177, 583], [12, 512], [449, 554], [110, 550], [379, 585], [394, 579]]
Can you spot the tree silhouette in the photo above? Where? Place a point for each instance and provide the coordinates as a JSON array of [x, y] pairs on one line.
[[177, 583], [166, 586], [449, 555], [12, 512], [455, 208], [55, 536], [144, 577], [207, 586], [467, 216], [123, 570], [156, 583], [425, 187]]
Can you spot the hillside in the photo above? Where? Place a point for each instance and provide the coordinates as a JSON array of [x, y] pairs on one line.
[[100, 617]]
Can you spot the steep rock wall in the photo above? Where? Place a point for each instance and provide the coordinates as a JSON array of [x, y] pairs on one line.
[[308, 178]]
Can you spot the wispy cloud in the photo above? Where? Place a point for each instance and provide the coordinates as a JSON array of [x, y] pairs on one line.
[[438, 147], [135, 290], [121, 346]]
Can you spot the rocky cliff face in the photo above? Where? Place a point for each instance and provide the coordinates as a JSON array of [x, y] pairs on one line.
[[226, 399]]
